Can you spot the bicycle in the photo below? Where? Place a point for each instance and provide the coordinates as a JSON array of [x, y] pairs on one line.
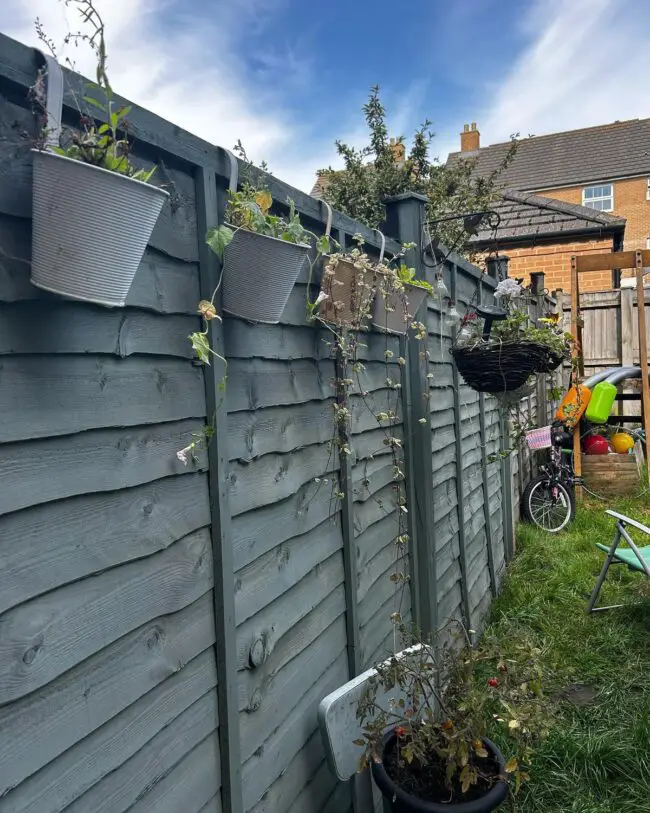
[[548, 500]]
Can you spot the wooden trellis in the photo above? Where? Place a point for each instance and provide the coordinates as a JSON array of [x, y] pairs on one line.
[[619, 260]]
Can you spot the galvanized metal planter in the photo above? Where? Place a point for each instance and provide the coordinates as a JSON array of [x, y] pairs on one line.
[[259, 273], [394, 311], [90, 228]]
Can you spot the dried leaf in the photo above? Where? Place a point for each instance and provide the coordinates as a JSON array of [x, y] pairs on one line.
[[512, 764]]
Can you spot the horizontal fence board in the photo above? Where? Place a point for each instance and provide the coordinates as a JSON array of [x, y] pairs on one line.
[[297, 775], [267, 763], [71, 328], [256, 532], [316, 792], [289, 685], [52, 633], [93, 461], [45, 396], [257, 383], [54, 544], [269, 576], [81, 767], [138, 777], [253, 682], [161, 283], [276, 477], [191, 783], [276, 619], [56, 717], [383, 504]]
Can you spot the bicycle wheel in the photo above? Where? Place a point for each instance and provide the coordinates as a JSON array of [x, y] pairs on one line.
[[550, 506]]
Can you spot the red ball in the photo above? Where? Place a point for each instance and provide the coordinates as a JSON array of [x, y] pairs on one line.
[[596, 444]]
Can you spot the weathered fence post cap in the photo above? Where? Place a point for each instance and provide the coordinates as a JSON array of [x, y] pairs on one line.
[[407, 196]]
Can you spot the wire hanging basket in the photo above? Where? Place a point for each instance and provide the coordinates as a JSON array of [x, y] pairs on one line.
[[539, 438], [499, 367]]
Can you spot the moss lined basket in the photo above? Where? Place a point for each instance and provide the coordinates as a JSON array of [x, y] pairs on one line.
[[499, 367]]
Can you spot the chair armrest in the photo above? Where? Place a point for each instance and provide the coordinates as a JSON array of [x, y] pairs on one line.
[[627, 521]]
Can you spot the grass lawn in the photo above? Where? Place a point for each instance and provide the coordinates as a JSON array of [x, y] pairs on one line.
[[597, 757]]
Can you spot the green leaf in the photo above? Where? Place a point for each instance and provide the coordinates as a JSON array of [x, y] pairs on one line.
[[218, 238], [323, 244], [95, 103], [359, 742], [201, 346]]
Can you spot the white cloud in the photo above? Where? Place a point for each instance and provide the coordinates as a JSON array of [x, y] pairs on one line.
[[189, 73], [586, 64]]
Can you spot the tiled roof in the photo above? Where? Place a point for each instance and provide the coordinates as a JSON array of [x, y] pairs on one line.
[[525, 216], [607, 152]]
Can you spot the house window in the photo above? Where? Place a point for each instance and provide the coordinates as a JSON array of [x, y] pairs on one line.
[[647, 194], [647, 242], [599, 197]]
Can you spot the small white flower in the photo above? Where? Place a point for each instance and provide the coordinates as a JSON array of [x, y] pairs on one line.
[[322, 296], [183, 454], [508, 288]]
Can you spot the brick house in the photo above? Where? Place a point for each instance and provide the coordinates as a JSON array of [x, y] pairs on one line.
[[540, 234], [605, 169]]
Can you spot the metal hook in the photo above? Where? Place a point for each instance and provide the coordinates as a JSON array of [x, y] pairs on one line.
[[383, 245], [54, 99], [330, 215], [234, 170]]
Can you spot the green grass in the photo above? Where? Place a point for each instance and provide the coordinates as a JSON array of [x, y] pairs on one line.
[[596, 758]]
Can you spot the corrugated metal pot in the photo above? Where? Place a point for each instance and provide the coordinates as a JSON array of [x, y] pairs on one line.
[[259, 273], [394, 311], [90, 228]]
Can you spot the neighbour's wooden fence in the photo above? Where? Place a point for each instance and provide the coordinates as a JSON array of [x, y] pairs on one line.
[[166, 633], [610, 334]]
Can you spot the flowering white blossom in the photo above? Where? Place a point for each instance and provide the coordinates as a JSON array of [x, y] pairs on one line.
[[183, 454], [322, 296], [508, 288]]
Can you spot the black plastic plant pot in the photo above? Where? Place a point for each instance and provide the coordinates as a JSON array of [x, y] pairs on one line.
[[402, 802]]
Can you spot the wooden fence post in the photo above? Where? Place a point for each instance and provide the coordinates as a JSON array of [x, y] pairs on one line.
[[507, 483], [405, 217], [208, 211], [460, 485], [537, 285], [484, 471]]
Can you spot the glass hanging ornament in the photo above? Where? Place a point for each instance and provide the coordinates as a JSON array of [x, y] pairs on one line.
[[453, 317], [441, 288]]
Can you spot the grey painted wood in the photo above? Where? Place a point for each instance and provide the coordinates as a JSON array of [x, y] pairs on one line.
[[297, 776], [257, 383], [317, 792], [93, 461], [383, 504], [269, 576], [269, 625], [107, 749], [56, 717], [257, 532], [46, 636], [210, 211], [257, 681], [269, 713], [55, 544], [276, 477], [162, 284], [46, 396], [188, 785], [268, 762], [138, 777], [49, 327]]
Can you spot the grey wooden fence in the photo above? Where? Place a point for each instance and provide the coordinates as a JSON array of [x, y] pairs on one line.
[[166, 633]]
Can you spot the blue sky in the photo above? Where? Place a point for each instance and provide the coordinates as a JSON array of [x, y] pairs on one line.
[[288, 77]]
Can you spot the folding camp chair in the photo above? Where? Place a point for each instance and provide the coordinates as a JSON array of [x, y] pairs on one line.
[[635, 558]]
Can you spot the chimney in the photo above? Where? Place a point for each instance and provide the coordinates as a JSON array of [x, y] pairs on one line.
[[399, 151], [470, 138]]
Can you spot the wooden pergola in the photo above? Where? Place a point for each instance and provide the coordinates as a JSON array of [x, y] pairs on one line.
[[613, 261]]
